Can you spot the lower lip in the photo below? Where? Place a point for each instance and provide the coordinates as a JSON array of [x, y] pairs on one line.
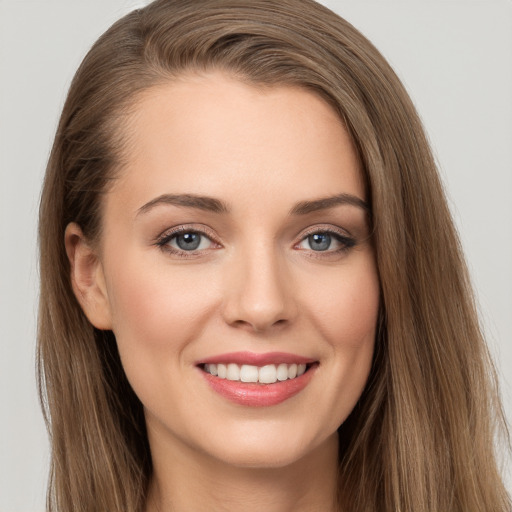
[[259, 395]]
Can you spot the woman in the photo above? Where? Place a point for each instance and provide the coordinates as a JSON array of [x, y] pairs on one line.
[[252, 293]]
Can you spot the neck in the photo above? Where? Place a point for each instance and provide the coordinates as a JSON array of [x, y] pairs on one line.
[[185, 480]]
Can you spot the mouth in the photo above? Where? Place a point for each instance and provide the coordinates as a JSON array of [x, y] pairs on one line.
[[258, 379], [268, 374]]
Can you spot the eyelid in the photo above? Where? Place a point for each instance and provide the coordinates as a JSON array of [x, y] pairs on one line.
[[185, 228], [164, 238], [324, 228], [342, 235]]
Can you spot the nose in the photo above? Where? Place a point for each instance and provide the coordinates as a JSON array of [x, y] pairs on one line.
[[259, 292]]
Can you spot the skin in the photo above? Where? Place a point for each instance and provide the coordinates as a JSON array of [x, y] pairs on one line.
[[255, 284]]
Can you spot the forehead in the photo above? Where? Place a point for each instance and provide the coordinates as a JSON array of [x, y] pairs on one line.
[[217, 136]]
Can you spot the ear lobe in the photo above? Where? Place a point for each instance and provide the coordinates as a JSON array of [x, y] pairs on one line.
[[87, 278]]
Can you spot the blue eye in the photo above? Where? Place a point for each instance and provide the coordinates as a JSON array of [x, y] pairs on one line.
[[326, 241], [185, 241], [319, 241], [188, 241]]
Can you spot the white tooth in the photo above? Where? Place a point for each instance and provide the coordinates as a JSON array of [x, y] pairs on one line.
[[233, 372], [292, 371], [249, 373], [212, 368], [301, 368], [268, 374], [282, 372], [221, 371]]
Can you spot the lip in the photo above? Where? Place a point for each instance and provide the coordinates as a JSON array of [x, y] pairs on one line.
[[254, 394], [256, 359]]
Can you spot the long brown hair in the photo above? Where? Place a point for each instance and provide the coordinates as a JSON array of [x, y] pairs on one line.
[[422, 435]]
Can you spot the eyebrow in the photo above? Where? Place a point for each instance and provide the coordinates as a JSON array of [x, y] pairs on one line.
[[213, 205], [209, 204], [324, 203]]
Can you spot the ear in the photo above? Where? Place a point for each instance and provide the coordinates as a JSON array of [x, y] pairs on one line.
[[87, 278]]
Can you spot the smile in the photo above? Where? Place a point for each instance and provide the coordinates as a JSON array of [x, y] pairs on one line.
[[268, 374], [257, 380]]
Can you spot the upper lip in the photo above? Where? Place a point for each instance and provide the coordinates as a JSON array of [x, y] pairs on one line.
[[255, 359]]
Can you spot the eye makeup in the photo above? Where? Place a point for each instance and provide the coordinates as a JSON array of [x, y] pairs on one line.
[[187, 241], [321, 239], [193, 241]]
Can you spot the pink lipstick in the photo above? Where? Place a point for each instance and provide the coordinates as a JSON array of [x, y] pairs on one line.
[[257, 380]]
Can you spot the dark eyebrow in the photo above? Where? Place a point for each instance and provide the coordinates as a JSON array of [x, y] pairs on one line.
[[187, 200], [216, 206], [305, 207]]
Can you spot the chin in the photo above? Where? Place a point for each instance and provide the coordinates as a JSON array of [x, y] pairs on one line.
[[258, 458], [270, 450]]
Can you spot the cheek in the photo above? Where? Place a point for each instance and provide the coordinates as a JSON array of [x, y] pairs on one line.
[[156, 311], [346, 316], [346, 311]]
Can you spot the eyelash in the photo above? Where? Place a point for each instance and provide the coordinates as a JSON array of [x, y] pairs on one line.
[[163, 241], [346, 242]]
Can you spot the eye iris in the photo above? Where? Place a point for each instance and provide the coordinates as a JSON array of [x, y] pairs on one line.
[[319, 241], [188, 241]]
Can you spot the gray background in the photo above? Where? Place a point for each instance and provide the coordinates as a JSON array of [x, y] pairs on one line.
[[455, 57]]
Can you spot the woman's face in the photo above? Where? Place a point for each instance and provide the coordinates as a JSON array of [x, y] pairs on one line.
[[235, 242]]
